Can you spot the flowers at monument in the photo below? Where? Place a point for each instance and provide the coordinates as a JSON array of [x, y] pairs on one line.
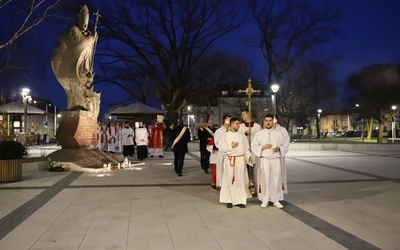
[[55, 166]]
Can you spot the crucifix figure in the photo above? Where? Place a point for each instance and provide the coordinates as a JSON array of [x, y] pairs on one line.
[[249, 92], [248, 127]]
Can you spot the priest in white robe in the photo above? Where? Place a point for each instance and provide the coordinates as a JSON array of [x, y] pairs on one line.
[[268, 146], [235, 180], [249, 129], [286, 143], [219, 166]]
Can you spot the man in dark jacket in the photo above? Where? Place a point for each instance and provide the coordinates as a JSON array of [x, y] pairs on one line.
[[205, 134], [181, 137]]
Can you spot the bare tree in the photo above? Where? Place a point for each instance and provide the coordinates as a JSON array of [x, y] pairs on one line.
[[25, 17], [163, 39], [376, 89], [290, 34]]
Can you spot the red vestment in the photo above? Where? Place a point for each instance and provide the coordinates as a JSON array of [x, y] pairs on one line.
[[157, 136]]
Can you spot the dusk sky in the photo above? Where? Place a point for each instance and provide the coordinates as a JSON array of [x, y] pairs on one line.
[[370, 34]]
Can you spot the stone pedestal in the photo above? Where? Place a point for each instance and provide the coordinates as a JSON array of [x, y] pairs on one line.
[[77, 130]]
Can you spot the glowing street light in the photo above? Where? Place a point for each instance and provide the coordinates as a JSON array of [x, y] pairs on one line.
[[394, 107], [319, 123], [274, 88], [25, 98]]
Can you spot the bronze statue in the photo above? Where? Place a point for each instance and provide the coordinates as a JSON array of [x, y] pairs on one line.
[[72, 64]]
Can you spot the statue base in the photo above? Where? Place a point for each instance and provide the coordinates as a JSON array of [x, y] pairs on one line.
[[77, 130]]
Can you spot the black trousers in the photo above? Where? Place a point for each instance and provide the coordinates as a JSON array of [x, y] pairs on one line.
[[128, 150], [178, 161], [204, 158], [142, 152]]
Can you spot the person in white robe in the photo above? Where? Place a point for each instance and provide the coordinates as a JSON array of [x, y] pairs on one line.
[[286, 143], [141, 138], [112, 138], [102, 136], [235, 180], [219, 133], [119, 126], [249, 129], [127, 140], [268, 146]]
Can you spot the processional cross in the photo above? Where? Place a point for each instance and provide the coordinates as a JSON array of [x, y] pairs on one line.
[[249, 92]]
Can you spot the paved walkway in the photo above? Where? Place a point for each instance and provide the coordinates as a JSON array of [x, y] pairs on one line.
[[336, 200]]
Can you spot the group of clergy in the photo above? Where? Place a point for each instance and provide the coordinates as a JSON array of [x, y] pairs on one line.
[[239, 148], [149, 141]]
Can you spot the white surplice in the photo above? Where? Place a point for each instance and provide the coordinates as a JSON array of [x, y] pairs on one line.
[[235, 180], [219, 133], [269, 188], [285, 148]]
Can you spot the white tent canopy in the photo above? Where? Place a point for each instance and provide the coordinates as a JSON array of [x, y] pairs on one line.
[[19, 108], [137, 109]]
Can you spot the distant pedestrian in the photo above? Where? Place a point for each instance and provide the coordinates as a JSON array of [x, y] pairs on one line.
[[180, 146]]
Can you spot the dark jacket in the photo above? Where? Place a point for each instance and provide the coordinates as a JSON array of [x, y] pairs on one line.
[[181, 146]]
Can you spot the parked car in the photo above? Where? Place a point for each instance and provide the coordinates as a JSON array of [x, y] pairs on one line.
[[353, 133], [375, 133], [339, 134], [334, 134]]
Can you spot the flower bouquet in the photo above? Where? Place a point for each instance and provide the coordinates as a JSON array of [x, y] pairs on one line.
[[55, 166]]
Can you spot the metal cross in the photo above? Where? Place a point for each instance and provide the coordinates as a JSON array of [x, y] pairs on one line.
[[249, 92]]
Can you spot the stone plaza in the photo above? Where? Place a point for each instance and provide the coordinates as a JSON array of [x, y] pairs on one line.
[[338, 199]]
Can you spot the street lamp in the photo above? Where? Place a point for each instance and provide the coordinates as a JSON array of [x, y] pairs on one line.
[[55, 118], [319, 123], [25, 98], [394, 107], [274, 88]]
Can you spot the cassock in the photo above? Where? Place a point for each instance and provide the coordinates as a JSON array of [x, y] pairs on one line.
[[269, 187], [254, 128], [244, 126], [286, 143], [112, 138], [219, 133], [102, 136], [141, 139], [156, 141], [235, 180], [127, 141]]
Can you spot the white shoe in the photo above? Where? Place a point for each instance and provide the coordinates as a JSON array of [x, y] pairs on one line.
[[277, 204], [264, 205]]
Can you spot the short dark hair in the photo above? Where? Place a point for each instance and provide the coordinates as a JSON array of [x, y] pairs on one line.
[[233, 120], [276, 117], [246, 110], [269, 115], [225, 117]]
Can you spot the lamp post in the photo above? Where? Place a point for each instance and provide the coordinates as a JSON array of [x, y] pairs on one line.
[[319, 124], [274, 88], [191, 131], [25, 98], [47, 110], [55, 119], [362, 124], [394, 107]]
